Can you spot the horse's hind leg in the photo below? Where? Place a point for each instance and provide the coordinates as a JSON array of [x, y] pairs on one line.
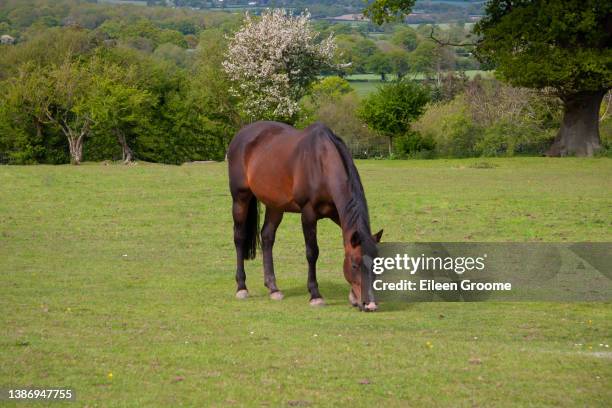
[[309, 227], [240, 211], [268, 234]]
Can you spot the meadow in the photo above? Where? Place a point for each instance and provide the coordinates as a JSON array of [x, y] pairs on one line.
[[365, 84], [118, 281]]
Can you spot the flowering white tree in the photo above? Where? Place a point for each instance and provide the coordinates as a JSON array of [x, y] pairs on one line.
[[273, 61]]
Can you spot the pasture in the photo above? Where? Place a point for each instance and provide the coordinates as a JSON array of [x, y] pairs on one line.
[[364, 84], [119, 282]]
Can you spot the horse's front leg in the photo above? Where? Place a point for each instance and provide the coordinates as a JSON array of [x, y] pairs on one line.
[[353, 300], [268, 234], [309, 227]]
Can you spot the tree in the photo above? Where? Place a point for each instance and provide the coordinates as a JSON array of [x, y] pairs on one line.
[[339, 114], [26, 94], [380, 63], [22, 118], [207, 112], [272, 63], [117, 105], [558, 45], [381, 11], [354, 50], [400, 62], [66, 105], [431, 59], [392, 108], [46, 47], [331, 87], [405, 37]]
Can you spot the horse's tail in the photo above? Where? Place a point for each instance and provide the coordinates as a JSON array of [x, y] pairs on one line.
[[252, 230]]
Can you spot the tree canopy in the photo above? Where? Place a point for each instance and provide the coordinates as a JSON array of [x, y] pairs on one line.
[[272, 63], [561, 44], [392, 108], [381, 11]]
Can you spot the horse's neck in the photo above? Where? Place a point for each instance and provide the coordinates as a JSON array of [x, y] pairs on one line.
[[341, 192], [341, 195]]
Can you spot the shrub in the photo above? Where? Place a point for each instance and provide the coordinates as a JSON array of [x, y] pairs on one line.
[[459, 136], [509, 138], [330, 87], [393, 107], [414, 145], [339, 114], [491, 119], [451, 128]]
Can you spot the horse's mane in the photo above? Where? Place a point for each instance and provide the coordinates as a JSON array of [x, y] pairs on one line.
[[356, 209]]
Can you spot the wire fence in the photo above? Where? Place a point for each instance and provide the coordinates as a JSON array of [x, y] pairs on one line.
[[369, 148]]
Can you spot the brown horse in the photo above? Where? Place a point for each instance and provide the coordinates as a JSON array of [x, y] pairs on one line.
[[306, 171]]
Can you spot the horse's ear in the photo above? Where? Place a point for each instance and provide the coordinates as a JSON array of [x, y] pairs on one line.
[[355, 239], [376, 237]]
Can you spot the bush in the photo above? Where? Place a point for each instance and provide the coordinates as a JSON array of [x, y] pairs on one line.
[[507, 139], [491, 119], [605, 133], [460, 136], [331, 87], [414, 145], [451, 128], [339, 114]]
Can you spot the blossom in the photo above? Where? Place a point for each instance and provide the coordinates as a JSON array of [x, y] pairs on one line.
[[273, 61]]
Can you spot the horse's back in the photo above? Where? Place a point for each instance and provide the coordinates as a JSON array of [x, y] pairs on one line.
[[260, 160], [277, 162], [252, 132]]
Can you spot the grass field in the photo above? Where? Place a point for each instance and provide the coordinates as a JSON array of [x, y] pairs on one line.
[[119, 282], [364, 84]]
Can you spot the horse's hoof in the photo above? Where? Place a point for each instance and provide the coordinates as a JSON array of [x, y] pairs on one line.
[[370, 307], [317, 302], [353, 299], [242, 294], [278, 295]]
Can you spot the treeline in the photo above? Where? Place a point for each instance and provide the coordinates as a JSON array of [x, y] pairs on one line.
[[20, 17], [401, 50], [463, 118], [84, 81], [425, 11], [111, 84]]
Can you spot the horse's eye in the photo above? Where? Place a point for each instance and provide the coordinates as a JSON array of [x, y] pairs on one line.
[[354, 266]]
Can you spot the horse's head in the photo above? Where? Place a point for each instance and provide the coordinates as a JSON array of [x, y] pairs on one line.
[[359, 253]]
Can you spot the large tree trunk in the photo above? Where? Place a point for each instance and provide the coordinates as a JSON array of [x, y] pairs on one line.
[[579, 133], [39, 129], [76, 150], [127, 152]]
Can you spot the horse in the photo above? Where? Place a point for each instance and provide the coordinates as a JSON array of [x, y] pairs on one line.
[[308, 171]]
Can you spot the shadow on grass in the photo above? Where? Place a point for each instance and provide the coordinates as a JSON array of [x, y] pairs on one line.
[[336, 295]]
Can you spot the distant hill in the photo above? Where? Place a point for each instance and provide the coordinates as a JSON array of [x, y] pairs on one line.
[[431, 11]]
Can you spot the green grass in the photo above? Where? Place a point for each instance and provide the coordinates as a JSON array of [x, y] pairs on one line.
[[365, 88], [364, 84], [130, 271], [445, 26]]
